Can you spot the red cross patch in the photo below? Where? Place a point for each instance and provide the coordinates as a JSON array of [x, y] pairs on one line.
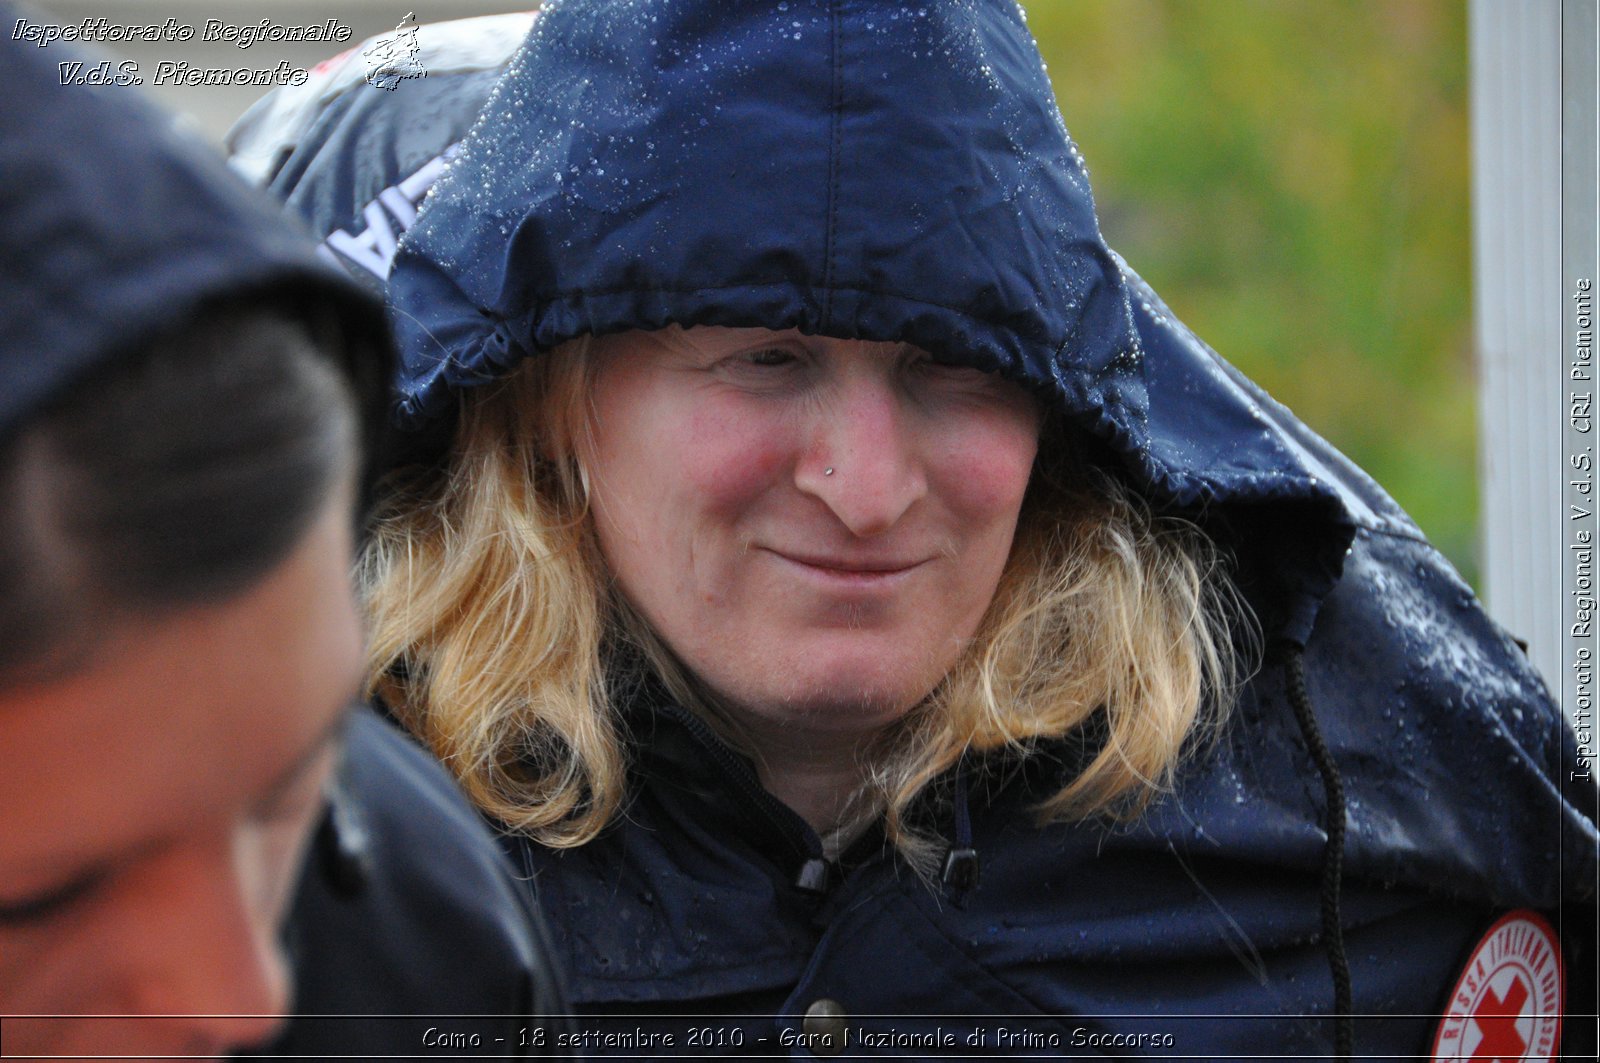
[[1506, 1006]]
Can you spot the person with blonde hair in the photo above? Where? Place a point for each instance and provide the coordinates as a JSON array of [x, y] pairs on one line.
[[875, 622]]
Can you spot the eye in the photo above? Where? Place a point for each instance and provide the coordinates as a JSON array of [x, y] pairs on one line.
[[775, 369], [769, 357], [947, 362], [939, 367], [43, 906]]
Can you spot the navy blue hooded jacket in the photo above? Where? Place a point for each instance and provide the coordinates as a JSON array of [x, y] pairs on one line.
[[900, 172], [115, 228]]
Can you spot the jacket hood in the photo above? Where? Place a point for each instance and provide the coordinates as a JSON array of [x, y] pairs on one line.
[[115, 224], [872, 171]]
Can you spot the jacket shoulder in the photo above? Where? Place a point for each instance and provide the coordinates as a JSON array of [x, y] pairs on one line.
[[1452, 748], [407, 908]]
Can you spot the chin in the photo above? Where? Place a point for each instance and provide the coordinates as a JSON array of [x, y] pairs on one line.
[[851, 695], [831, 681]]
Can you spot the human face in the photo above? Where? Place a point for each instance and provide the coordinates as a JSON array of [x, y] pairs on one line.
[[154, 810], [814, 526]]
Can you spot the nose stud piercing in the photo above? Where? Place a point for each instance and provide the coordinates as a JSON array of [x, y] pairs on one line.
[[827, 472]]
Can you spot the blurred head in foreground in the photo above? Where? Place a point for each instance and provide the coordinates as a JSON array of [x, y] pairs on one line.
[[178, 647]]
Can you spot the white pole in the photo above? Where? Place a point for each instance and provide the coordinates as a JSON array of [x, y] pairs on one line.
[[1516, 208]]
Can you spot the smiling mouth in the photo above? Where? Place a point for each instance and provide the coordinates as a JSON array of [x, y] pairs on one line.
[[850, 569]]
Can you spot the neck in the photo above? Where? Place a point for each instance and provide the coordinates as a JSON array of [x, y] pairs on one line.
[[812, 771], [814, 774]]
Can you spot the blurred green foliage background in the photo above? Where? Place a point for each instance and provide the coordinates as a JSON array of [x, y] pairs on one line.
[[1292, 177]]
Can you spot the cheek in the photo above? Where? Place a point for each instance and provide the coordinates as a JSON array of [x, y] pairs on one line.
[[52, 967], [731, 455], [673, 447], [675, 492], [986, 468], [270, 858], [660, 468]]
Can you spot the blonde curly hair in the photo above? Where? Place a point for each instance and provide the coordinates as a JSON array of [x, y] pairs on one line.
[[491, 611]]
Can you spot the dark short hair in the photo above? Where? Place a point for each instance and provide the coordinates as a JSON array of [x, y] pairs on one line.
[[179, 474]]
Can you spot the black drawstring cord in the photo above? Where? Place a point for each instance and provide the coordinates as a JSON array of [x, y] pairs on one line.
[[1333, 852], [963, 813], [961, 862]]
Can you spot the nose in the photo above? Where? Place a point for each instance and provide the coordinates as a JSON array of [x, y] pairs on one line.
[[865, 462], [213, 951]]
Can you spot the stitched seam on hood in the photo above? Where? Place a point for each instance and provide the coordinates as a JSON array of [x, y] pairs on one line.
[[835, 109]]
